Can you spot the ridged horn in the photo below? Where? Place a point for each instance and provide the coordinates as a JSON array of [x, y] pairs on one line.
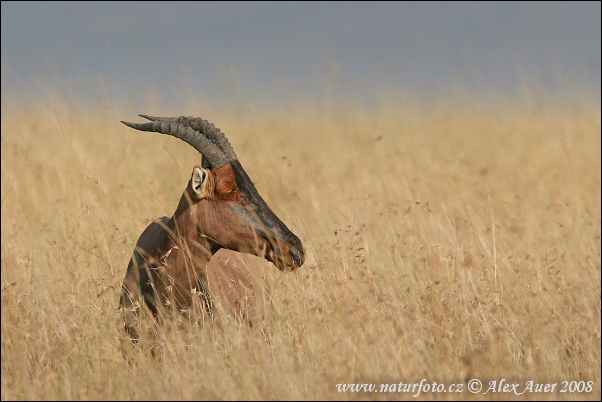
[[196, 139], [204, 127]]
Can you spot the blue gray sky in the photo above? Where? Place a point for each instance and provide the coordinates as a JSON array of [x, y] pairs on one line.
[[267, 53]]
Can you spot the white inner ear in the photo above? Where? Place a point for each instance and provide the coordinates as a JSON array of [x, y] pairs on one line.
[[199, 182]]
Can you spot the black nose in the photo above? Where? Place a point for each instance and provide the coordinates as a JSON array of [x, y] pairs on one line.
[[298, 256]]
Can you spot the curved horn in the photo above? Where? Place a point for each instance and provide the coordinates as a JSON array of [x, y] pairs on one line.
[[197, 139], [204, 127]]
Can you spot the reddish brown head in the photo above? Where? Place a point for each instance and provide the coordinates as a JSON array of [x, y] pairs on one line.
[[221, 198]]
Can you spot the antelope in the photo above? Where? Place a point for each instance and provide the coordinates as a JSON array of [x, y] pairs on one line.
[[220, 209]]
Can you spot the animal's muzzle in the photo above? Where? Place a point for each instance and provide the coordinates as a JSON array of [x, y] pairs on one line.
[[297, 256], [287, 255], [295, 251]]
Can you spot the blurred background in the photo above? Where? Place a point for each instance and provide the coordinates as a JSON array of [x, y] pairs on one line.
[[260, 53]]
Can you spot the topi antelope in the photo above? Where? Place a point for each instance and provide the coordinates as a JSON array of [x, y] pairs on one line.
[[219, 209]]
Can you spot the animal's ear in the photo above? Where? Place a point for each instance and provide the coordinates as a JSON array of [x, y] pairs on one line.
[[198, 183]]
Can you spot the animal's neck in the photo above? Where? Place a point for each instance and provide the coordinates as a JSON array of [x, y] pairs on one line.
[[186, 232]]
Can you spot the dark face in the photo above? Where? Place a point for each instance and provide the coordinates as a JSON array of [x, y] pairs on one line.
[[236, 217]]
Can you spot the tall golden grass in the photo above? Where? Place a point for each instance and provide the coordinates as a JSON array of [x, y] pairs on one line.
[[444, 242]]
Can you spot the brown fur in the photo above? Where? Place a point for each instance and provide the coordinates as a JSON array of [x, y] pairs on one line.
[[225, 185], [238, 285]]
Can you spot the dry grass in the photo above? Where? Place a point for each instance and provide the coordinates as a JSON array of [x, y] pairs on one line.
[[444, 243]]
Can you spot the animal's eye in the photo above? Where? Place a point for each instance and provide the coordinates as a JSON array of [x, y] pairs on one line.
[[240, 199]]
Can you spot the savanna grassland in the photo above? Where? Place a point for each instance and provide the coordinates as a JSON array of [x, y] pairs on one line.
[[447, 242]]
